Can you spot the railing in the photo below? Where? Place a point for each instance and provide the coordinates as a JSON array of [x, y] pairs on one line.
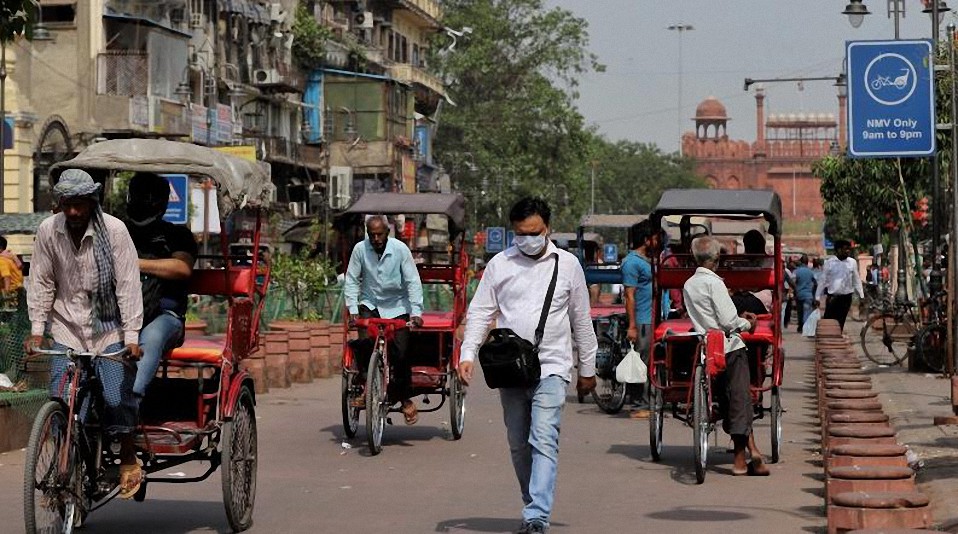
[[407, 73], [425, 8], [286, 151], [123, 73]]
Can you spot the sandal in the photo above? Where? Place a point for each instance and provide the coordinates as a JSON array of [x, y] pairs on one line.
[[410, 412], [131, 478], [757, 467]]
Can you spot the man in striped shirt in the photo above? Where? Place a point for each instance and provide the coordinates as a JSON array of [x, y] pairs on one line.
[[85, 294]]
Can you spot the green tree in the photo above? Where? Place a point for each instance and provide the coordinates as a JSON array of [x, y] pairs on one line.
[[514, 129], [17, 18]]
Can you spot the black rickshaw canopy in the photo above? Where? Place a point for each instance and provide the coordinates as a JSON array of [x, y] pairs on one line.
[[452, 205], [725, 203]]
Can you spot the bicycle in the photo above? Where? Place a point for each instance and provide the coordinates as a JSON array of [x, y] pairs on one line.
[[896, 322], [931, 340], [67, 469], [609, 394]]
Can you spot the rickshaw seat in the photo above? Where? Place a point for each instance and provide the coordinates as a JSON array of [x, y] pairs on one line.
[[214, 282], [197, 351], [438, 320], [763, 330], [607, 310]]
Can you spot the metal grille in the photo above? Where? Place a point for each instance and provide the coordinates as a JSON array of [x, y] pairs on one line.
[[123, 73]]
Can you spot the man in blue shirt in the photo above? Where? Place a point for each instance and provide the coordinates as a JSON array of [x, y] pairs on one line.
[[637, 279], [804, 283], [382, 281]]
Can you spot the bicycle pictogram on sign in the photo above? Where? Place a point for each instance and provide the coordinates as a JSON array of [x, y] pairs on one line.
[[890, 79]]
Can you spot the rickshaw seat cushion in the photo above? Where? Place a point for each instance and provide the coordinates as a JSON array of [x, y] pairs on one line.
[[607, 310], [438, 320], [763, 333], [197, 351]]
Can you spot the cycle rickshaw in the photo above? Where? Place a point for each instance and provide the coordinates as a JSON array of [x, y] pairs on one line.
[[200, 407], [609, 318], [433, 348], [680, 368]]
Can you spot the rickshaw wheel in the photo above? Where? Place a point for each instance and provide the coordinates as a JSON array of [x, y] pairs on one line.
[[657, 417], [457, 405], [611, 398], [776, 422], [701, 421], [350, 413], [376, 403], [46, 510], [239, 463]]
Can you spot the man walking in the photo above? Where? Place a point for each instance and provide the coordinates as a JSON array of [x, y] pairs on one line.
[[839, 280], [512, 292], [637, 279], [804, 290]]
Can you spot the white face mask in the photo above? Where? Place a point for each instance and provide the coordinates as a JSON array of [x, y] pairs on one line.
[[530, 245]]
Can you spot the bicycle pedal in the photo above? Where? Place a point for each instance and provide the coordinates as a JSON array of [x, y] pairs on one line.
[[389, 420], [425, 399]]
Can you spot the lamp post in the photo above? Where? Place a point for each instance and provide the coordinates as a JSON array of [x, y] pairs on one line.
[[680, 28], [936, 10]]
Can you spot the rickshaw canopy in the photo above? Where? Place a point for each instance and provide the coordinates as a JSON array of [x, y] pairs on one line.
[[724, 203], [240, 182], [611, 221], [452, 205]]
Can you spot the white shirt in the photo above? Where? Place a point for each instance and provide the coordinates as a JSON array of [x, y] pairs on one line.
[[512, 291], [840, 277], [711, 308]]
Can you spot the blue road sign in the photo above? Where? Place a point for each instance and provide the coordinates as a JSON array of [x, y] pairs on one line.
[[610, 253], [495, 239], [510, 237], [177, 212], [891, 105]]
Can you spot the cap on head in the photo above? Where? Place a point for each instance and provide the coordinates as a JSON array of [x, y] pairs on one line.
[[75, 183]]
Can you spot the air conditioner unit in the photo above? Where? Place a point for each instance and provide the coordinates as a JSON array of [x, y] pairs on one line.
[[266, 76], [363, 19], [340, 187], [298, 209]]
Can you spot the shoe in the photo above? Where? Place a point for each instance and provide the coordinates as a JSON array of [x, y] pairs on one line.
[[410, 412], [640, 414], [531, 528]]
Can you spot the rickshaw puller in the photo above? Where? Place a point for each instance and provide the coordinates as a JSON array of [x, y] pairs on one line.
[[382, 281], [711, 308], [85, 291]]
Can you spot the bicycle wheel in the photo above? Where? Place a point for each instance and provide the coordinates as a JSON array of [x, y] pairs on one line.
[[457, 405], [239, 463], [657, 415], [700, 421], [376, 404], [350, 412], [932, 346], [48, 501], [776, 423], [885, 338]]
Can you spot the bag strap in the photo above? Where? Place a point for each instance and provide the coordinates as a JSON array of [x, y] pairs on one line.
[[540, 330]]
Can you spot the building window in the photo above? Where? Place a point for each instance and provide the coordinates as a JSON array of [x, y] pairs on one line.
[[415, 55], [404, 51], [392, 46], [58, 14]]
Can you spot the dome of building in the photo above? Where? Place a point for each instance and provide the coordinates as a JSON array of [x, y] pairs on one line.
[[710, 108]]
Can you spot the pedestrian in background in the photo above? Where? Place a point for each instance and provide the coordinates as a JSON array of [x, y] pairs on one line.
[[839, 281], [637, 279], [804, 290], [511, 292]]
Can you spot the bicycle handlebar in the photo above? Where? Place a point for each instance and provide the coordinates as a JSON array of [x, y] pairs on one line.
[[75, 354], [375, 321]]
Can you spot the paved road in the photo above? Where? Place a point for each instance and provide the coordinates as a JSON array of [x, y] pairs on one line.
[[424, 482]]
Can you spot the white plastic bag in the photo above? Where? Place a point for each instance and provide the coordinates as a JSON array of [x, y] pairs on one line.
[[631, 370], [811, 323]]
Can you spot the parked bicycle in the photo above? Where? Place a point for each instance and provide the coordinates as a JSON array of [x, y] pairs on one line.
[[931, 341], [887, 335]]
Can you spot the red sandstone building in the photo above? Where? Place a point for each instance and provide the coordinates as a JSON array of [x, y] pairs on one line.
[[780, 159]]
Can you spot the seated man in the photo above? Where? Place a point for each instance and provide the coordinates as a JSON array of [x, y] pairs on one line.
[[166, 252], [710, 308], [382, 281], [756, 302]]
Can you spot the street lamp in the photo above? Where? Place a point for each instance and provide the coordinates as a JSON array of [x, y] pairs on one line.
[[681, 28], [936, 10], [40, 34], [856, 12]]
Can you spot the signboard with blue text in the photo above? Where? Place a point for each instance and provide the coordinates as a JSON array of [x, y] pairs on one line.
[[610, 253], [495, 239], [177, 211], [891, 105]]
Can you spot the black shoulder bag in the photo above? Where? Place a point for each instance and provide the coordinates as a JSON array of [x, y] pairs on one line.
[[510, 361]]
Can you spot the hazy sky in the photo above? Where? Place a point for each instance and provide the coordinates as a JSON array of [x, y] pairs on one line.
[[637, 97]]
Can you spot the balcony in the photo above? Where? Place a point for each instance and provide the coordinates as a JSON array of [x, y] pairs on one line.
[[427, 10], [282, 150], [407, 73]]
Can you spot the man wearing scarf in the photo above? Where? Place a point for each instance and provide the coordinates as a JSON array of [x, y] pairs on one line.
[[85, 294]]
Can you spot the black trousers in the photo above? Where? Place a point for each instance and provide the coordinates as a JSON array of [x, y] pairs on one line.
[[400, 385], [836, 307], [733, 389]]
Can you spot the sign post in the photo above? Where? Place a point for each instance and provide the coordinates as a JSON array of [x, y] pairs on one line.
[[495, 239], [891, 105], [177, 211]]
